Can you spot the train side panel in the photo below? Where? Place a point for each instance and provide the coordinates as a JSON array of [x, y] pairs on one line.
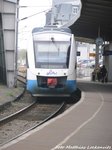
[[31, 77], [71, 79]]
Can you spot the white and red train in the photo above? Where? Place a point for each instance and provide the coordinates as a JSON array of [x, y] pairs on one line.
[[51, 59]]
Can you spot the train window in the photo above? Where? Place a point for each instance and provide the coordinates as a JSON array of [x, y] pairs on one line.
[[51, 54]]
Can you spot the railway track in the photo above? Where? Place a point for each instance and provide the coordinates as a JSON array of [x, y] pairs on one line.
[[26, 115], [15, 125], [21, 78], [13, 107]]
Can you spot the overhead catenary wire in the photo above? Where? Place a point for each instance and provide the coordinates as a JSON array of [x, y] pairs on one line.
[[32, 6], [34, 14]]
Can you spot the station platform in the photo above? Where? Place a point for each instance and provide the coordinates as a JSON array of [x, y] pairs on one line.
[[86, 125], [9, 94]]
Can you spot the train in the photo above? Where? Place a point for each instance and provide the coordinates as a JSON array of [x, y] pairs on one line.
[[51, 62]]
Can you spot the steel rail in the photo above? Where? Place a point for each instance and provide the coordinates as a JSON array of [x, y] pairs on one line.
[[21, 79], [58, 111], [10, 117]]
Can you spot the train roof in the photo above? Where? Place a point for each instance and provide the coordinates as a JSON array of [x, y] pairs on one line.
[[51, 28]]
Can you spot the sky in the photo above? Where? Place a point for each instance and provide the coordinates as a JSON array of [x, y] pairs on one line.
[[25, 26]]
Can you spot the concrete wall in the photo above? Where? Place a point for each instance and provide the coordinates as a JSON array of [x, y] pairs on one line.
[[2, 56], [8, 10]]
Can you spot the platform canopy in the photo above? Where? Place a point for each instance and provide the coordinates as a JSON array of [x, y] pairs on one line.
[[95, 20]]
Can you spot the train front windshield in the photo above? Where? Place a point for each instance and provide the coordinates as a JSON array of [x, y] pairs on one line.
[[52, 54]]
